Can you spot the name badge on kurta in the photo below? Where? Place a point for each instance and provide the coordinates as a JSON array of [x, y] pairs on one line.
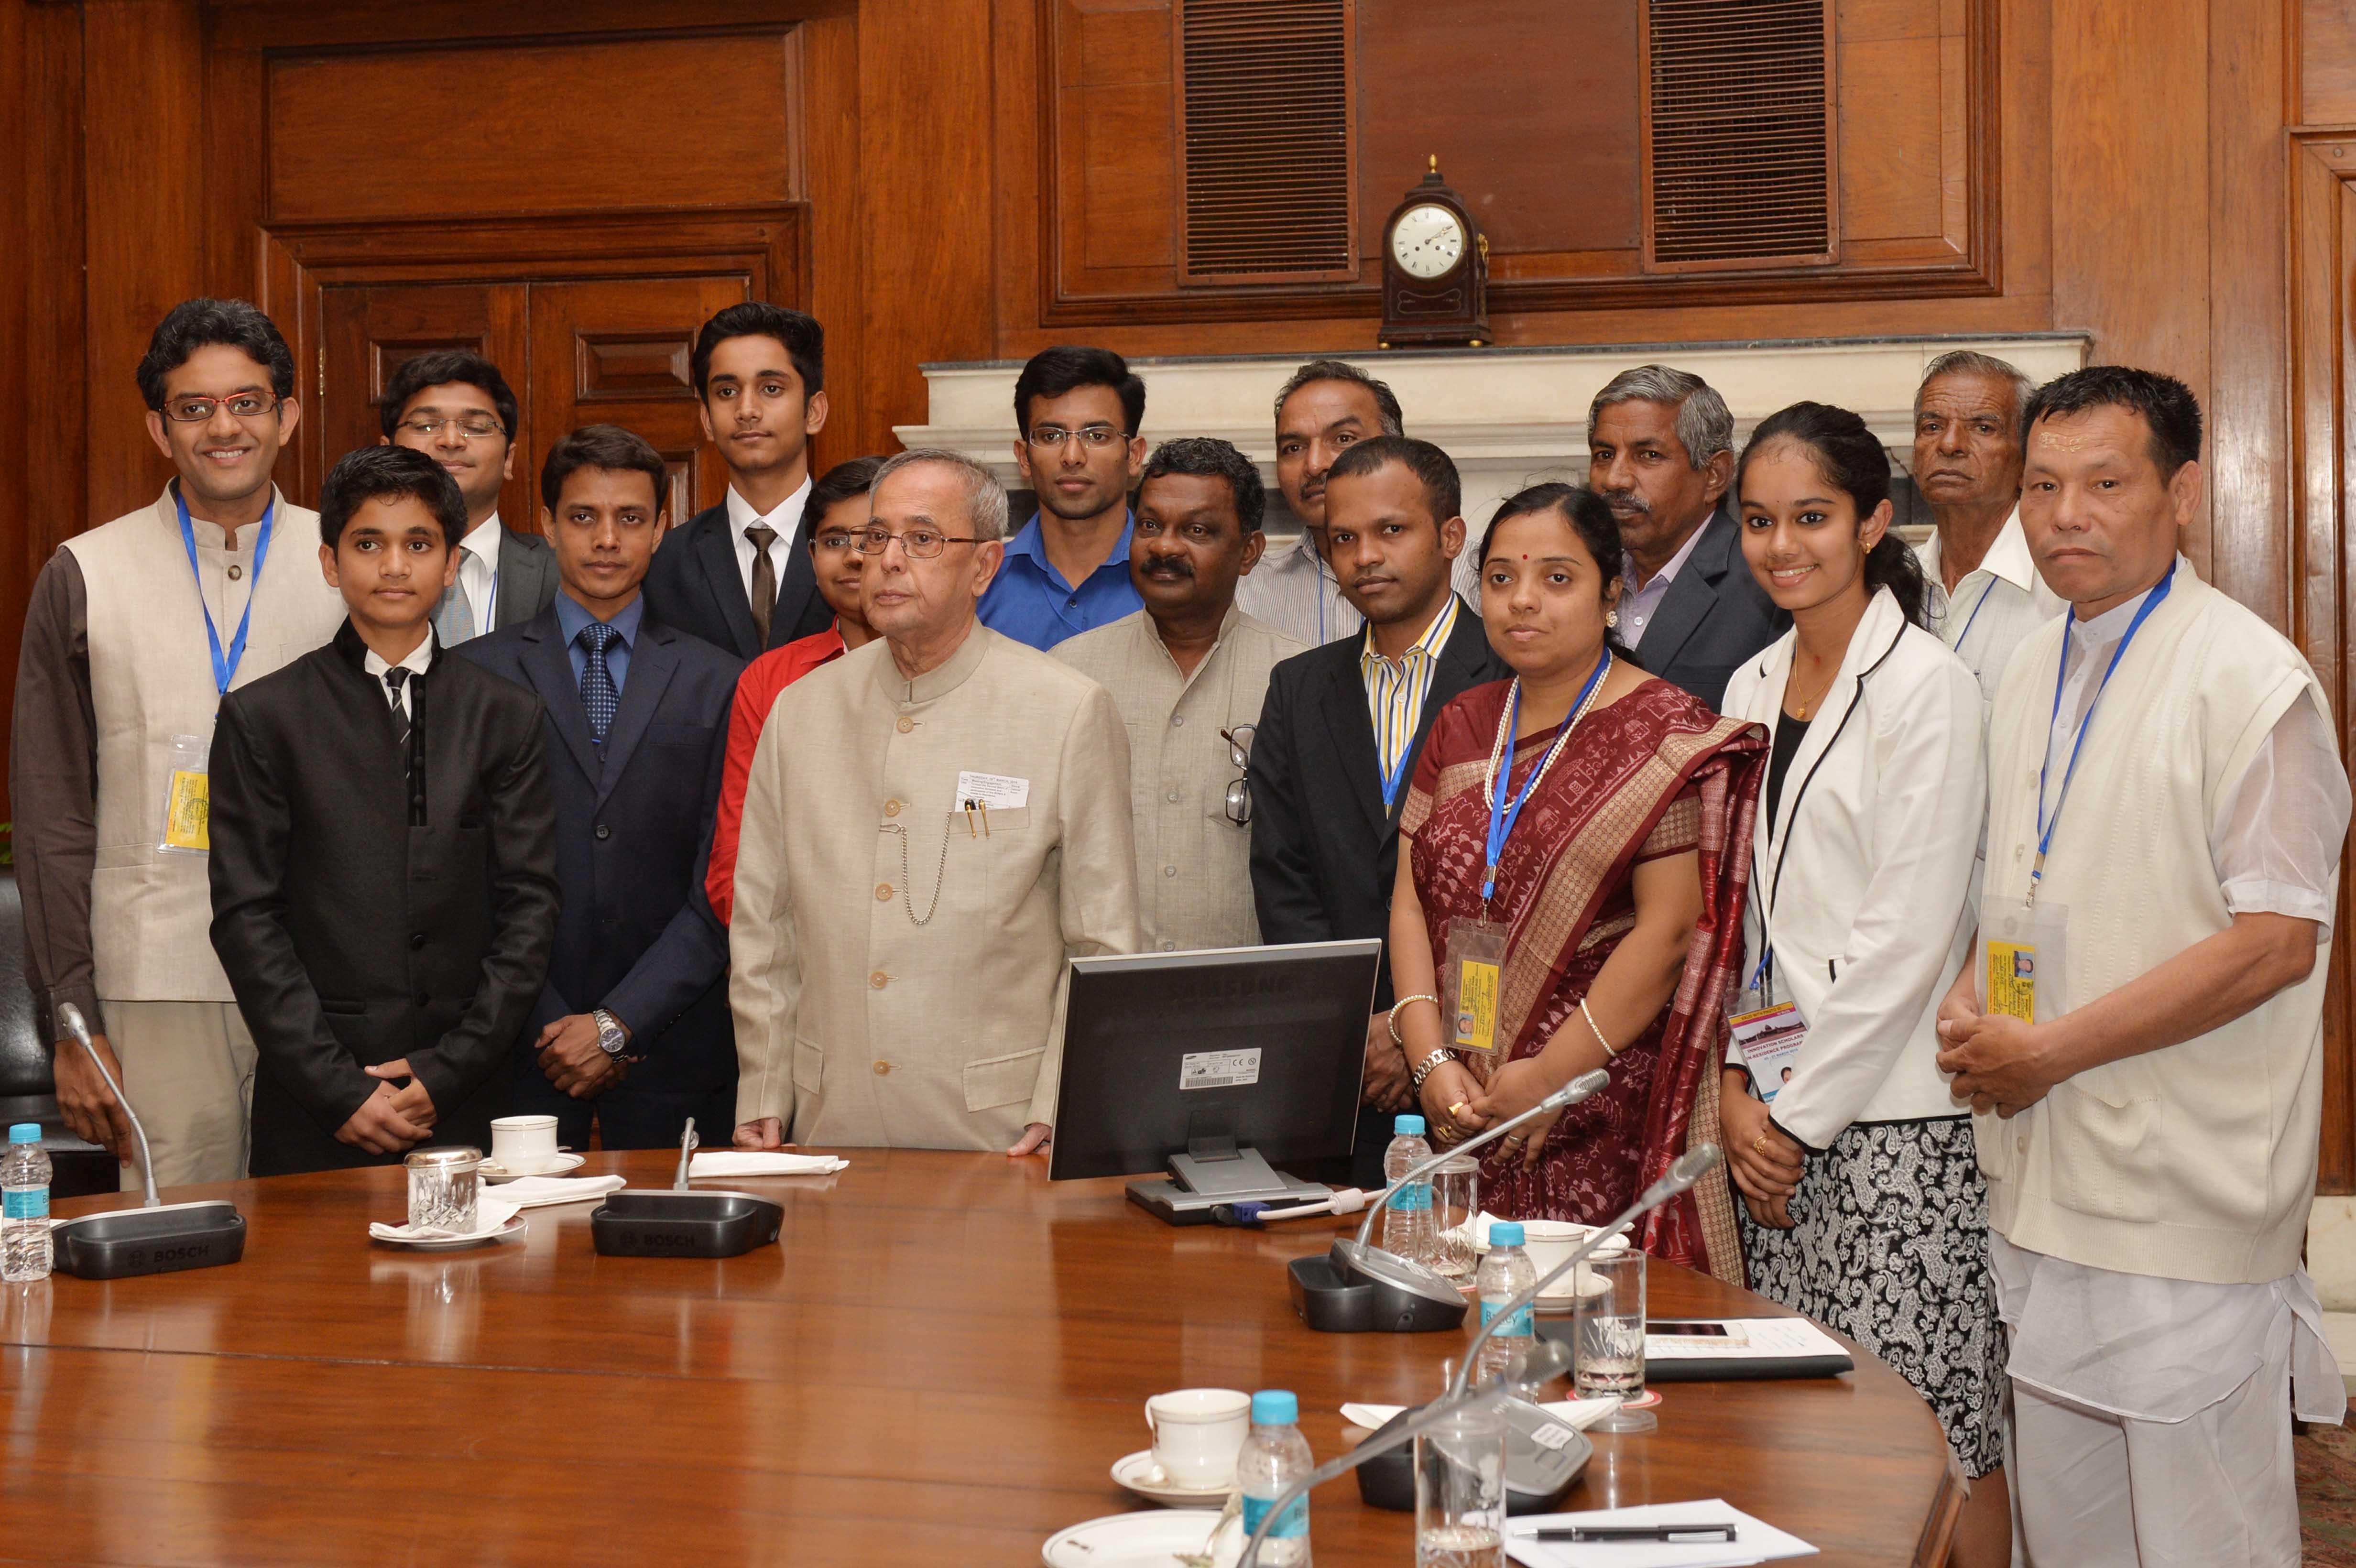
[[1468, 985], [188, 798], [2024, 952]]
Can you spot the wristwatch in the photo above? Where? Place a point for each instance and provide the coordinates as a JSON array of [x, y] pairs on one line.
[[612, 1038]]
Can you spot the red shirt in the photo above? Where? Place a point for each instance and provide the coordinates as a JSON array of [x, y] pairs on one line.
[[756, 693]]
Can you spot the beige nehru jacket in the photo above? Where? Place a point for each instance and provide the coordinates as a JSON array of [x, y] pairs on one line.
[[151, 678], [1194, 864], [856, 1025]]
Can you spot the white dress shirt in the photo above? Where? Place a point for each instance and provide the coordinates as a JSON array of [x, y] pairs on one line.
[[420, 658], [1639, 605], [787, 519], [479, 571], [1994, 606]]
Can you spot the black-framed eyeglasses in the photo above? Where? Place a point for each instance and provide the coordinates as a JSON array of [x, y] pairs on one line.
[[1239, 800], [922, 544], [472, 427], [1054, 437], [838, 539], [200, 411]]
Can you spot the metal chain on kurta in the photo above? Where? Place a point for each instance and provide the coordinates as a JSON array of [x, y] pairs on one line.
[[907, 899]]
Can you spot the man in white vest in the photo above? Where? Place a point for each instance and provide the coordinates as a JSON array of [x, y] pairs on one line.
[[134, 631], [2141, 1032]]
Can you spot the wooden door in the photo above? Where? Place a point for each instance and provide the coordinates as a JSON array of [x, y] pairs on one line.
[[616, 351], [367, 333]]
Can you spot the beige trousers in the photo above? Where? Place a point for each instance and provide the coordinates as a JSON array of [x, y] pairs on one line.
[[188, 1069]]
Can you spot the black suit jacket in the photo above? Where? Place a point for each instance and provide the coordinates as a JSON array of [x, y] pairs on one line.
[[1714, 616], [359, 923], [527, 577], [1323, 850], [633, 833], [694, 586]]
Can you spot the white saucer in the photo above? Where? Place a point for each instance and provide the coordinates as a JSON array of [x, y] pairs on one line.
[[492, 1171], [1151, 1537], [1141, 1474], [514, 1227]]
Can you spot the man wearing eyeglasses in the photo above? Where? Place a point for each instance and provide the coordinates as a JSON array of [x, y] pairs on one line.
[[455, 408], [1076, 413], [134, 631], [1188, 673], [933, 822]]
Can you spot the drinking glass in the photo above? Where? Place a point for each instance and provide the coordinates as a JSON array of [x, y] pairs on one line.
[[1609, 1334], [1455, 1204], [443, 1185], [1460, 1490]]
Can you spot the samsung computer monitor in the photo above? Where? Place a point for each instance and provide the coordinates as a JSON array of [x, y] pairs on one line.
[[1216, 1066]]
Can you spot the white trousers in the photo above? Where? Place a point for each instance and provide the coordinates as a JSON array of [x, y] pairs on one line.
[[188, 1068], [2215, 1490]]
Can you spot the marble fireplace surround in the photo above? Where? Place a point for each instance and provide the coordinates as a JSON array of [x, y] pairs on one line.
[[1510, 417]]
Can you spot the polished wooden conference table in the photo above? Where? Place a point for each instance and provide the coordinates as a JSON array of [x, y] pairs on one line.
[[938, 1364]]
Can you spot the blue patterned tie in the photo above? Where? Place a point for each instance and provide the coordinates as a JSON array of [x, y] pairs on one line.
[[597, 693]]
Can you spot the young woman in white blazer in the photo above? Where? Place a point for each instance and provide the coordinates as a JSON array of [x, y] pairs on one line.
[[1866, 1205]]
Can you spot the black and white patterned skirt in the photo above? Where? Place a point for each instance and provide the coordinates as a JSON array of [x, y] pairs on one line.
[[1890, 1248]]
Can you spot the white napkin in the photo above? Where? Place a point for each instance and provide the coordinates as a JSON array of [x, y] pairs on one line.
[[753, 1162], [1582, 1413], [491, 1215], [539, 1191]]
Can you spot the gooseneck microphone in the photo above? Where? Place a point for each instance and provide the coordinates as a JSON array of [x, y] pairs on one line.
[[1689, 1168], [156, 1237], [1541, 1364]]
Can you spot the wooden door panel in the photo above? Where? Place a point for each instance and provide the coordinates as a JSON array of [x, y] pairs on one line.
[[369, 330], [616, 351]]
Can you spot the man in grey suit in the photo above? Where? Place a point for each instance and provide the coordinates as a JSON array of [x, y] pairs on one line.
[[1660, 446], [455, 408]]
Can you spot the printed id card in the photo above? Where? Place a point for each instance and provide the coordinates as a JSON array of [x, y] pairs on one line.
[[2024, 954], [1468, 985], [188, 799], [1769, 1035]]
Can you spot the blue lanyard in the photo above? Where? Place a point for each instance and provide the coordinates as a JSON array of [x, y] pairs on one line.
[[2045, 825], [1974, 615], [1502, 817], [225, 666]]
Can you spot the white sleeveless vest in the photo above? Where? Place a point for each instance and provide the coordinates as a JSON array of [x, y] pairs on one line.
[[151, 678], [2196, 1161]]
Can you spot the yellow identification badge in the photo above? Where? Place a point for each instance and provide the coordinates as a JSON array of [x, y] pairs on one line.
[[2012, 979], [2023, 949], [188, 799], [1468, 1002]]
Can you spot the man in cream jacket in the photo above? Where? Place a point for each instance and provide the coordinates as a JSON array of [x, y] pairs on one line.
[[2166, 810], [932, 824]]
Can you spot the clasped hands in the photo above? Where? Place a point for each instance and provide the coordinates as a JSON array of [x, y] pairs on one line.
[[390, 1119], [1995, 1060], [1766, 1164], [1456, 1106]]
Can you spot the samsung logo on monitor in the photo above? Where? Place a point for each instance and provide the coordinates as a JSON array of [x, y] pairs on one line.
[[1228, 985]]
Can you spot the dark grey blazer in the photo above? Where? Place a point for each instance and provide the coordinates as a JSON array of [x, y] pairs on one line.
[[694, 587], [527, 577], [1714, 616]]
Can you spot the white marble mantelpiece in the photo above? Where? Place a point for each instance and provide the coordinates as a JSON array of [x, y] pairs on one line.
[[1509, 417]]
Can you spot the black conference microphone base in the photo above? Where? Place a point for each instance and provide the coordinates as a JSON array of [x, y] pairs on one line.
[[1350, 1290], [124, 1243]]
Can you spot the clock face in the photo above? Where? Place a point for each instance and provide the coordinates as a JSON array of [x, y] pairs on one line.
[[1426, 240]]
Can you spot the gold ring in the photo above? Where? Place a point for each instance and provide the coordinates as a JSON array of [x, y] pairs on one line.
[[1453, 1109], [1759, 1144]]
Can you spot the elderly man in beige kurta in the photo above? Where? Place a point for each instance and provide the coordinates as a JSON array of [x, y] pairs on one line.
[[932, 825]]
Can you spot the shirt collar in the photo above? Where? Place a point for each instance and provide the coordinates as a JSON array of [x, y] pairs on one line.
[[572, 617], [938, 683], [1426, 646], [1150, 631], [2007, 558], [483, 539], [741, 515], [1031, 544], [1676, 562], [2112, 623], [420, 659]]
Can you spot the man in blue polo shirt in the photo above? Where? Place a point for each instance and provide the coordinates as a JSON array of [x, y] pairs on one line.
[[1078, 411]]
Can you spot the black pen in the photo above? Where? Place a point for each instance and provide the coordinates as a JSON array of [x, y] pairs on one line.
[[1674, 1533]]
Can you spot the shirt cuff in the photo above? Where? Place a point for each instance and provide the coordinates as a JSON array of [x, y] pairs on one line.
[[2259, 895], [85, 998]]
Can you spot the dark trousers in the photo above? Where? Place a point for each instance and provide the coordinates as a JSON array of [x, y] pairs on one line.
[[631, 1116]]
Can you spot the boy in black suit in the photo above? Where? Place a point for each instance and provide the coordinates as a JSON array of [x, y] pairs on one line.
[[383, 850], [632, 1029]]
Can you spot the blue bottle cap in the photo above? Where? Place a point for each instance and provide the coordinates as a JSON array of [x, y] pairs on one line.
[[1275, 1407], [1505, 1234], [1405, 1125], [24, 1132]]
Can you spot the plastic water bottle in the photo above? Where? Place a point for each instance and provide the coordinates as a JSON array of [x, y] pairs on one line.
[[1505, 1272], [1408, 1230], [1274, 1456], [24, 1207]]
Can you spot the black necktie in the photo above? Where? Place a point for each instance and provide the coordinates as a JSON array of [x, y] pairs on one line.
[[598, 696], [395, 679], [765, 580]]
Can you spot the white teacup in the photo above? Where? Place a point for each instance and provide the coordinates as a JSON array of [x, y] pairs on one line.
[[1197, 1433], [1550, 1242], [522, 1145]]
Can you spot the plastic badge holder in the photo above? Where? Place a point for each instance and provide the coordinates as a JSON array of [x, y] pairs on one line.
[[682, 1224], [1542, 1458]]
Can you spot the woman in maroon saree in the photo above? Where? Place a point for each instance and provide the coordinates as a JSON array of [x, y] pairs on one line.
[[1617, 894]]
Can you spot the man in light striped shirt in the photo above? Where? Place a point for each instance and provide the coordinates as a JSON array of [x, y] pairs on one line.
[[1323, 409]]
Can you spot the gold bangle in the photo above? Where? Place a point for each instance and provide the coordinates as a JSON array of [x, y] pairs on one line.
[[1403, 1002], [1609, 1052]]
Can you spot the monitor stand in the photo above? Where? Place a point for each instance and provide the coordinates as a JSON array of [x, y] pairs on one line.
[[1215, 1172]]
